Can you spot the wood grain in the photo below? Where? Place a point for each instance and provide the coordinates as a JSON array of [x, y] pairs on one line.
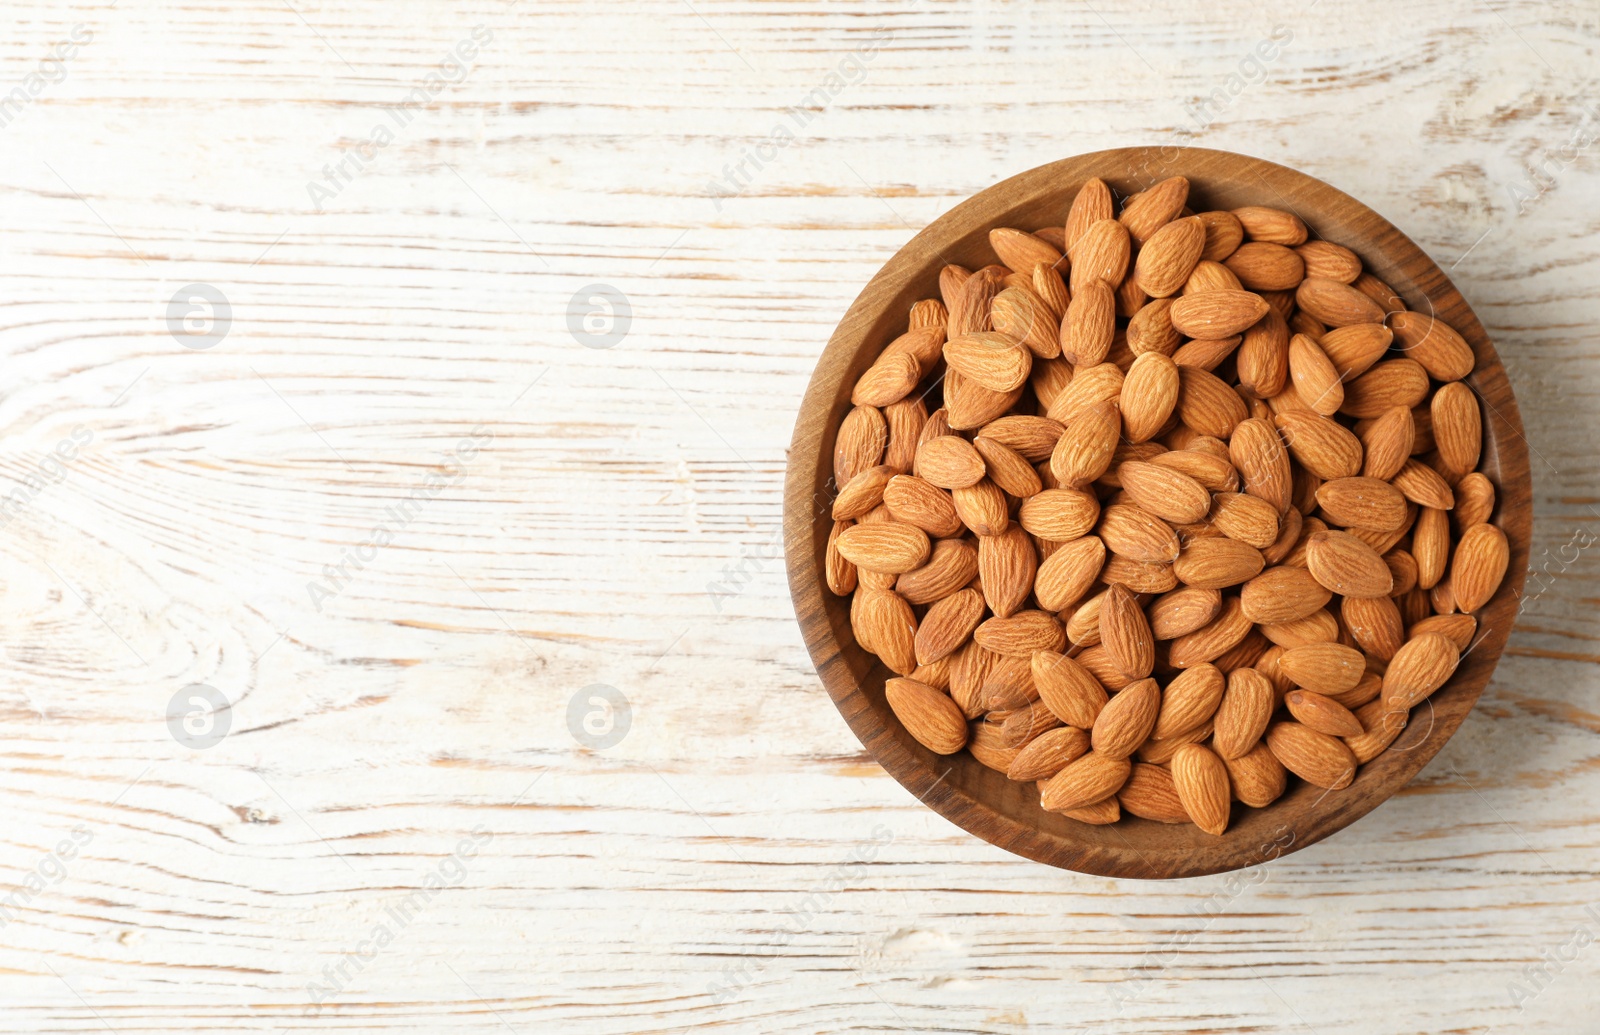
[[712, 848]]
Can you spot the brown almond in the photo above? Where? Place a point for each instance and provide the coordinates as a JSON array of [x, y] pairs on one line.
[[1149, 396], [917, 501], [1007, 564], [1359, 502], [969, 308], [1152, 208], [1387, 442], [1271, 224], [1067, 688], [1323, 714], [890, 378], [1101, 253], [931, 717], [1059, 514], [1433, 343], [1316, 758], [1248, 519], [1126, 720], [1333, 261], [1259, 454], [1135, 533], [1049, 753], [1325, 447], [1090, 205], [1182, 611], [1282, 594], [1018, 313], [1325, 668], [1374, 623], [841, 574], [1394, 382], [1125, 634], [860, 444], [1243, 713], [951, 564], [1481, 559], [1088, 388], [1168, 494], [1086, 449], [1354, 348], [1263, 359], [1021, 250], [1169, 256], [993, 360], [1265, 266], [1085, 781], [1417, 669], [1224, 233], [1021, 634], [1150, 329], [1336, 304], [1217, 314], [1474, 501], [862, 493], [1457, 427], [1190, 699], [1458, 629], [1316, 381], [1149, 793], [1345, 565], [889, 547], [982, 507], [1217, 563], [1067, 574], [1207, 404], [949, 462], [1257, 777], [1201, 781], [884, 623], [1212, 640], [947, 625], [1424, 486], [1007, 468]]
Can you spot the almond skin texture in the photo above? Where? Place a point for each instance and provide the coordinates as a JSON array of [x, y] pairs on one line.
[[1190, 699], [1102, 253], [1336, 304], [1258, 778], [1433, 343], [951, 565], [1007, 564], [947, 625], [1327, 449], [1347, 566], [949, 462], [1201, 781], [1090, 324], [1316, 758], [1322, 714], [1457, 427], [1246, 518], [885, 624], [1217, 314], [1067, 574], [928, 715], [1182, 611], [1125, 634], [1266, 266], [916, 501], [1067, 689], [1363, 503], [1374, 624], [996, 361], [1136, 534], [1021, 250], [1060, 515], [1482, 556], [1325, 668], [861, 442], [1149, 396], [1387, 442], [1417, 669], [982, 507], [1217, 563], [1049, 753], [1282, 594], [1149, 793], [1087, 447], [1126, 720], [1085, 781], [1243, 713], [1169, 256], [1007, 468], [1259, 453], [1022, 634], [1168, 494], [888, 547], [1090, 205]]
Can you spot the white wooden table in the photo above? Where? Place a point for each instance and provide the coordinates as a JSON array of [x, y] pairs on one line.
[[389, 505]]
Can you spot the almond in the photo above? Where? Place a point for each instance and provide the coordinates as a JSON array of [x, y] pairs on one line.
[[1101, 253], [1374, 623], [1150, 329], [1387, 442], [1182, 611], [1424, 486], [1354, 348], [930, 313], [1212, 640], [982, 507], [1271, 224], [1482, 556], [1169, 256], [1067, 688], [1322, 714], [1316, 758], [889, 547], [1243, 713], [1085, 450], [889, 379], [1457, 427], [928, 715], [1262, 461], [1058, 514], [1149, 793], [1325, 668], [1125, 634], [1126, 720], [1394, 382], [949, 462], [1148, 396], [1345, 565], [1246, 518], [993, 360], [951, 565], [1430, 546], [862, 493], [1434, 344], [1088, 388], [1474, 501], [969, 310], [1021, 250], [1333, 261], [1380, 726], [1052, 291], [1007, 468], [1264, 266], [1257, 777], [1167, 494], [1067, 574], [1147, 211], [1049, 753], [1137, 576], [860, 444], [1189, 701], [1134, 533], [1417, 669], [1018, 313], [970, 405], [1282, 594], [1089, 325], [885, 624], [1316, 382], [1326, 448], [1217, 314], [1336, 304], [1085, 781], [1022, 634], [1201, 781], [1007, 564], [1359, 502], [1224, 233], [1217, 563], [841, 574], [947, 625], [1207, 404], [1090, 205], [1458, 629], [916, 501]]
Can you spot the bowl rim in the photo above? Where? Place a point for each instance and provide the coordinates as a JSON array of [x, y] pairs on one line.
[[847, 676]]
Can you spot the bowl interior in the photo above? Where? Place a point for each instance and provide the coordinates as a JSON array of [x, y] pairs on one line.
[[983, 801]]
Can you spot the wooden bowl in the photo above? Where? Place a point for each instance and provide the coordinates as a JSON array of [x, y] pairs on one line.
[[983, 801]]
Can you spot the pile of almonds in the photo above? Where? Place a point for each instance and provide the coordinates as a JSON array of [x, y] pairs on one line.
[[1200, 509]]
